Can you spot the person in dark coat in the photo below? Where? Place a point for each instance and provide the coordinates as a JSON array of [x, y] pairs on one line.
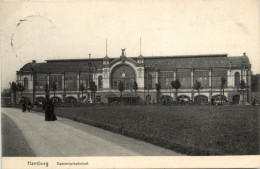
[[23, 102], [28, 105], [49, 109]]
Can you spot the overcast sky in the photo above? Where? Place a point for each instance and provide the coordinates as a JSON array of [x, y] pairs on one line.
[[61, 30]]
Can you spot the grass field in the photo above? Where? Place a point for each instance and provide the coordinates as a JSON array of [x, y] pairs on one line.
[[192, 130]]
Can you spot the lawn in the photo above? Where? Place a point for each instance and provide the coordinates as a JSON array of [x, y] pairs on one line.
[[192, 130]]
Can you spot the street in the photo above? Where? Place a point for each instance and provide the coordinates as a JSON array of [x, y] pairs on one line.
[[63, 138]]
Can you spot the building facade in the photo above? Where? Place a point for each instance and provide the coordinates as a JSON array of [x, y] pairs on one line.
[[70, 75]]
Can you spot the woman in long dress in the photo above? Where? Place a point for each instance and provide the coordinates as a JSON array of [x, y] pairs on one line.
[[49, 109]]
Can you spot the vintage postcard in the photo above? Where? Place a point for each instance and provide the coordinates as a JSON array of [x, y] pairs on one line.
[[130, 84]]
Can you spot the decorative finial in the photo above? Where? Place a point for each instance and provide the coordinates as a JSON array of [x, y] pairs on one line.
[[106, 47], [123, 52], [140, 47]]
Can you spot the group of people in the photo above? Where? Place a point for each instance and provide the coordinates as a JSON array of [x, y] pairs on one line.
[[48, 107], [26, 104]]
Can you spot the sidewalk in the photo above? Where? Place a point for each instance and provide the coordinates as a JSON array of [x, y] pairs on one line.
[[69, 138]]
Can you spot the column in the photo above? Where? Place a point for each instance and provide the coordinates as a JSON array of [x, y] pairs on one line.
[[210, 83], [156, 77], [192, 82], [78, 80], [48, 79], [33, 87], [174, 74], [106, 84], [241, 75], [191, 76], [63, 81], [63, 86], [249, 92]]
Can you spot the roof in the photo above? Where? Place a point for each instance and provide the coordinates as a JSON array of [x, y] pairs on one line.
[[221, 61], [161, 62]]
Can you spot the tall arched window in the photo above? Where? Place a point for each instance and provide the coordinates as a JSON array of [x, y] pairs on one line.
[[25, 83], [125, 74], [100, 82], [237, 79]]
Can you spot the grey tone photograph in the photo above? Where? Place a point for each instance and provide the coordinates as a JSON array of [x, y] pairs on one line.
[[130, 78]]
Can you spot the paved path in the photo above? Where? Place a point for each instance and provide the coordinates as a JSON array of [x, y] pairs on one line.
[[69, 138]]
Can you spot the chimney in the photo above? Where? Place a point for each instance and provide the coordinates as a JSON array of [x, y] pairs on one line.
[[33, 61]]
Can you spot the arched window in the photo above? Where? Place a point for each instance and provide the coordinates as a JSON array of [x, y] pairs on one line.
[[237, 79], [125, 74], [100, 82], [25, 83], [201, 99], [70, 99]]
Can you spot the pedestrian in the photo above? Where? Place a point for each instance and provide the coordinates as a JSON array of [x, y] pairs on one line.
[[28, 105], [49, 109], [23, 102], [212, 101]]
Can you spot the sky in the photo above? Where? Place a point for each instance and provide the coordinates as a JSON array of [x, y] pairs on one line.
[[70, 30]]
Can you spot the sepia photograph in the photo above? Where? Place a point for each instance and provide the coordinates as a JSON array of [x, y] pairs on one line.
[[129, 78]]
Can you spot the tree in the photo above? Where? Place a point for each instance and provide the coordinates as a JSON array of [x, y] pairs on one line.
[[176, 85], [158, 88], [93, 88], [121, 88], [54, 87], [242, 87], [13, 87], [197, 86], [6, 93], [135, 87], [20, 88], [81, 88], [223, 82]]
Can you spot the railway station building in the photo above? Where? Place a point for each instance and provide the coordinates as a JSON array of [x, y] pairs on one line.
[[146, 71]]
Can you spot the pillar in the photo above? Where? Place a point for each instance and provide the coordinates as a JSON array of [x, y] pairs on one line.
[[249, 92], [156, 76], [48, 80], [191, 76], [63, 81], [78, 80], [210, 83], [175, 74], [192, 83]]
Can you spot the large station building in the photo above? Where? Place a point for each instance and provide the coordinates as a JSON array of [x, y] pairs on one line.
[[146, 71]]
